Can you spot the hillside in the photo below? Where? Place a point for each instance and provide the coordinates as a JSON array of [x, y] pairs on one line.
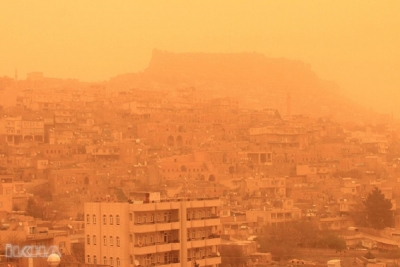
[[255, 79]]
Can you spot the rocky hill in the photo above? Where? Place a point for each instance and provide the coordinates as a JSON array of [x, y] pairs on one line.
[[258, 81]]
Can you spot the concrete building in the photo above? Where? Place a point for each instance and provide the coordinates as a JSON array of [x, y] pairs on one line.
[[6, 192], [19, 129], [149, 231]]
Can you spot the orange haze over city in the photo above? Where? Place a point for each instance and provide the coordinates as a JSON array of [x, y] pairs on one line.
[[353, 43]]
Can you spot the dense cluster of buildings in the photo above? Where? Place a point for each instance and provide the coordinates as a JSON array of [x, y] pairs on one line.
[[168, 178]]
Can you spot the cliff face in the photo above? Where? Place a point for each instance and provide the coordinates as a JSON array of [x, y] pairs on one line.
[[264, 81]]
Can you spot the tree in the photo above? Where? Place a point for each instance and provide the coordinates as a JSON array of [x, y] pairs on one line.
[[330, 239], [358, 213], [232, 254], [306, 233], [43, 191], [378, 210], [56, 211], [281, 240], [34, 209]]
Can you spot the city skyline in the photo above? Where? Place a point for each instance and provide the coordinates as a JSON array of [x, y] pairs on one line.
[[351, 43]]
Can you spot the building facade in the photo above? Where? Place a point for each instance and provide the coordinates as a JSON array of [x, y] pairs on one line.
[[153, 232]]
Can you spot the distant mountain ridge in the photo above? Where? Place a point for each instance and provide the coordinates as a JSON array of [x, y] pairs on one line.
[[263, 81]]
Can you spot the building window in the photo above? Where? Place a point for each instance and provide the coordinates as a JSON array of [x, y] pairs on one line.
[[94, 219], [95, 259], [94, 240], [104, 219], [118, 241], [152, 218], [111, 241], [105, 260], [118, 262], [105, 240], [87, 218], [111, 261], [88, 239], [130, 216], [165, 237], [118, 220], [131, 259], [111, 220], [144, 218], [88, 258]]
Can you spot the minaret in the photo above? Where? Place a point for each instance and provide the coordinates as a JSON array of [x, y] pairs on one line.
[[288, 106]]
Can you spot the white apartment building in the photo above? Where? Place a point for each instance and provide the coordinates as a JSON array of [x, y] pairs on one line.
[[149, 232]]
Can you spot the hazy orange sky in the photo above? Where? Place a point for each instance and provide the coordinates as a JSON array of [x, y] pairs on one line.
[[355, 43]]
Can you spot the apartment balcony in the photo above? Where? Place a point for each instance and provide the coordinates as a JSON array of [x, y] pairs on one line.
[[203, 203], [166, 226], [195, 223], [176, 246], [143, 207], [163, 247], [205, 261], [163, 206], [145, 249], [199, 243], [154, 226], [160, 264], [213, 241], [143, 228], [213, 260], [212, 221], [175, 204], [175, 225], [155, 248], [203, 242]]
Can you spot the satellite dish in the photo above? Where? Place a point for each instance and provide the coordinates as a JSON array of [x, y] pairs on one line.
[[136, 263], [137, 141], [218, 254]]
